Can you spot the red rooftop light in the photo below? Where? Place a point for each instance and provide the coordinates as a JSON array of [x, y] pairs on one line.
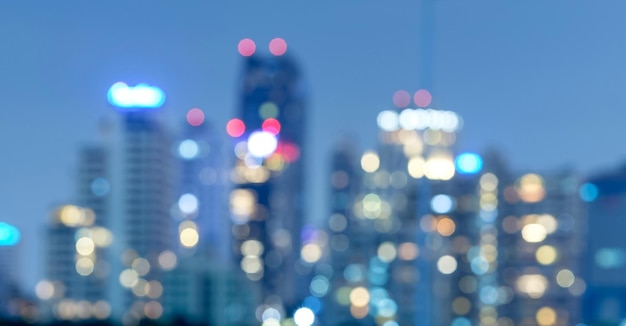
[[278, 46], [422, 98], [401, 98], [246, 47]]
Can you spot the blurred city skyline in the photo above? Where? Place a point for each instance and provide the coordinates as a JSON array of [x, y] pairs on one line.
[[540, 81]]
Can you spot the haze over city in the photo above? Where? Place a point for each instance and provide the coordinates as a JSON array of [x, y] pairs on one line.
[[542, 81]]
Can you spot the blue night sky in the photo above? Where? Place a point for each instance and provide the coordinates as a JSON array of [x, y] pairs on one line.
[[541, 80]]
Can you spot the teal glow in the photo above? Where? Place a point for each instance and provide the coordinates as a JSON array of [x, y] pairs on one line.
[[588, 192], [610, 258], [9, 235], [469, 163], [140, 97]]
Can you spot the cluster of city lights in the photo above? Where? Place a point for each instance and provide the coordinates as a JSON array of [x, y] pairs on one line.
[[366, 284], [419, 119], [88, 238]]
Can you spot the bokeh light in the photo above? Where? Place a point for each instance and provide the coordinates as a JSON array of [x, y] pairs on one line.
[[534, 232], [401, 98], [188, 203], [530, 188], [268, 110], [588, 192], [188, 149], [246, 47], [468, 163], [167, 260], [235, 127], [359, 297], [271, 125], [262, 143], [9, 235], [189, 237], [442, 204], [546, 255], [141, 96], [370, 162], [195, 117], [422, 98], [546, 316], [446, 264], [304, 317], [278, 46], [388, 120]]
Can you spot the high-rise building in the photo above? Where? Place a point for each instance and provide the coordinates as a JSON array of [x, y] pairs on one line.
[[205, 291], [397, 229], [540, 235], [77, 262], [76, 269], [142, 195], [605, 252], [268, 203], [343, 231], [201, 211]]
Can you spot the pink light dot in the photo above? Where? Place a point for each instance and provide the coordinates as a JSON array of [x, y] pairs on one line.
[[246, 47], [278, 46], [401, 98], [195, 117], [271, 125], [422, 98], [235, 127], [289, 151]]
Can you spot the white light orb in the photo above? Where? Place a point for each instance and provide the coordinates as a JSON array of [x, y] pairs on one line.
[[188, 203], [304, 317], [388, 120], [188, 149], [262, 143]]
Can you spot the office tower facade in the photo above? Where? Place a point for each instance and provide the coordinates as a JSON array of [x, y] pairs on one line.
[[399, 231], [201, 210], [605, 253], [344, 233], [204, 291], [142, 196], [77, 237], [76, 269], [267, 205], [540, 233]]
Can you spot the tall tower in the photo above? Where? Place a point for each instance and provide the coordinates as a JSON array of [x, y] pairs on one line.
[[605, 259], [201, 211], [77, 261], [267, 204], [142, 194], [384, 268]]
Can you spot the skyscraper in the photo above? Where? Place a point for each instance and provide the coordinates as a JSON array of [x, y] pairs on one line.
[[142, 195], [77, 263], [268, 203], [201, 208], [395, 223], [605, 263]]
